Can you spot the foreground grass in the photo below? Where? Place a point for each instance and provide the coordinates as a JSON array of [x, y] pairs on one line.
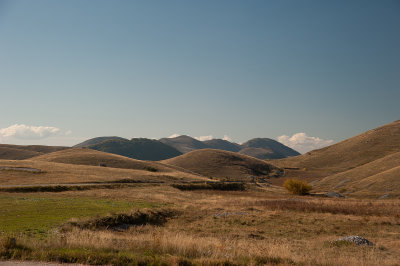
[[219, 228], [37, 214]]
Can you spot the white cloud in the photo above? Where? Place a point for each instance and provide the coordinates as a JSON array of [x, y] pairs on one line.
[[303, 143], [21, 131], [69, 132], [226, 137], [174, 136], [203, 138]]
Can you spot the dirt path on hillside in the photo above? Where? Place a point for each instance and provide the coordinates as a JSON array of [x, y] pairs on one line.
[[35, 263]]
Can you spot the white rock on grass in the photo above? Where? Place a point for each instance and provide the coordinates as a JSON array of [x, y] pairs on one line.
[[358, 240]]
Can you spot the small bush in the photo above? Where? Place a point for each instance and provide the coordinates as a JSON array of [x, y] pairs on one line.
[[297, 186], [151, 169]]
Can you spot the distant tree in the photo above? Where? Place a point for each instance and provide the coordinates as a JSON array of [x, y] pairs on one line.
[[297, 186]]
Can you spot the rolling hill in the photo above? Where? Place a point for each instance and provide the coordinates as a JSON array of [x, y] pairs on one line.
[[380, 176], [17, 172], [265, 148], [222, 164], [80, 156], [184, 143], [97, 140], [137, 148], [165, 148], [221, 144], [21, 152], [350, 153], [364, 165]]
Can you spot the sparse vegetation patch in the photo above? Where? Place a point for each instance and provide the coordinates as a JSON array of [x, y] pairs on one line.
[[151, 169], [62, 188], [228, 186], [124, 220], [336, 207]]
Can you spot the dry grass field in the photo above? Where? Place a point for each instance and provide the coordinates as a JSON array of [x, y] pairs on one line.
[[21, 152], [222, 164], [59, 173], [356, 151], [252, 227], [366, 165]]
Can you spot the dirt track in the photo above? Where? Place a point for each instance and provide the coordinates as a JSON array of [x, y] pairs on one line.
[[34, 263]]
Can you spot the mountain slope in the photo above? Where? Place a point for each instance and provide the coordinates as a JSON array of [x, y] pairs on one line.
[[184, 143], [265, 148], [21, 152], [80, 156], [350, 153], [221, 144], [137, 148], [95, 141], [377, 176], [222, 164]]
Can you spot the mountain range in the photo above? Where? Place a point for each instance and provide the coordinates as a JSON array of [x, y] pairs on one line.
[[165, 148], [366, 165]]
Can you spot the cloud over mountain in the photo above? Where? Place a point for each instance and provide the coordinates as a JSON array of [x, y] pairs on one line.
[[174, 136], [21, 131], [227, 138], [204, 138], [303, 143]]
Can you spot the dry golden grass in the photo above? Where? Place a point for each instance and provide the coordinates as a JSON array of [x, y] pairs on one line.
[[20, 152], [83, 156], [60, 173], [375, 178], [366, 165], [222, 164], [350, 153], [247, 228]]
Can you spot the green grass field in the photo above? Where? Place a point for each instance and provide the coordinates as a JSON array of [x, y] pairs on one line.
[[38, 214]]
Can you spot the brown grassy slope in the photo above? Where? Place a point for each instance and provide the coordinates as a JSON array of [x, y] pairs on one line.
[[82, 156], [221, 164], [350, 153], [16, 154], [377, 176], [21, 152], [386, 182], [61, 173]]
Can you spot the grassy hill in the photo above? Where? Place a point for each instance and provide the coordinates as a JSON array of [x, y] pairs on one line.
[[80, 156], [137, 148], [261, 148], [221, 144], [222, 164], [83, 166], [21, 152], [265, 148], [350, 153], [364, 165], [378, 177], [97, 140], [184, 144]]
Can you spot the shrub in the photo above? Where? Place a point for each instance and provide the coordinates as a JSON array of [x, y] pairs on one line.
[[151, 169], [297, 186]]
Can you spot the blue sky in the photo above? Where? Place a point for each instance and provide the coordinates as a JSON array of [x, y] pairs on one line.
[[80, 69]]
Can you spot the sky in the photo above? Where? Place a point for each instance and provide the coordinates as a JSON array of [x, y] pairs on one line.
[[307, 73]]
